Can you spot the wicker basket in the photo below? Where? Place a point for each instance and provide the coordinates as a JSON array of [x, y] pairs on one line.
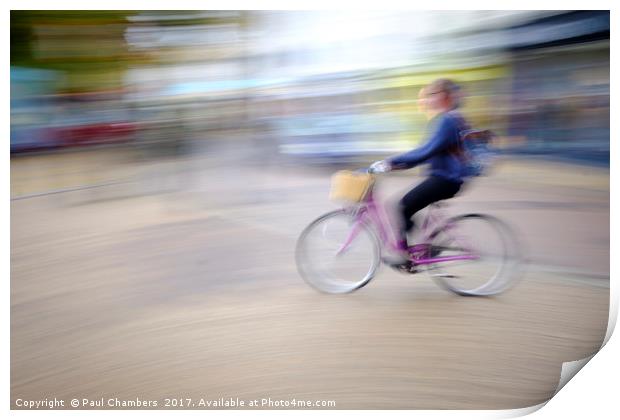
[[350, 186]]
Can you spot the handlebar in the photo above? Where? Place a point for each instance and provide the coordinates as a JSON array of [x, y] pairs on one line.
[[367, 170]]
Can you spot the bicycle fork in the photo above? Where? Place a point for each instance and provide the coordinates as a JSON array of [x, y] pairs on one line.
[[350, 237]]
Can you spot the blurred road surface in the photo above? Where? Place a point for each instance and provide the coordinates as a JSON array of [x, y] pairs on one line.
[[193, 292]]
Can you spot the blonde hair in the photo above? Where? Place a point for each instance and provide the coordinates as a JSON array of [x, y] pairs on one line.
[[447, 86], [443, 85]]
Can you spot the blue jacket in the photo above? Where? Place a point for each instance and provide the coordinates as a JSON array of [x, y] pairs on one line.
[[440, 150]]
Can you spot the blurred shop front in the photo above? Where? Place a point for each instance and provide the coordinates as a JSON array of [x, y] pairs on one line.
[[560, 85]]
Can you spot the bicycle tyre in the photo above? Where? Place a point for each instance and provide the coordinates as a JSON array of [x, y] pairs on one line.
[[505, 252], [328, 282]]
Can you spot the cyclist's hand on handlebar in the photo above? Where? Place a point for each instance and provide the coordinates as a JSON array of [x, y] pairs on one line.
[[380, 166]]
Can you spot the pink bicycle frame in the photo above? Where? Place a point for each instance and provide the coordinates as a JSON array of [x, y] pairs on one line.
[[370, 212]]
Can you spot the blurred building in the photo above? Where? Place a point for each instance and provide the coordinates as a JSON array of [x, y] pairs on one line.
[[560, 84], [181, 93], [309, 85], [67, 87], [539, 79]]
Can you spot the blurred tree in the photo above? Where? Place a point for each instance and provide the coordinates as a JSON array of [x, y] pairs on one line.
[[21, 38], [88, 47]]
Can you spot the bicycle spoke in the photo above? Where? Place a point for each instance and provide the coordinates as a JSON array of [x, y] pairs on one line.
[[336, 255], [466, 235]]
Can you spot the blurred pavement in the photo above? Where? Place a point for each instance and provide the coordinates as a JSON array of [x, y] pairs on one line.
[[192, 291]]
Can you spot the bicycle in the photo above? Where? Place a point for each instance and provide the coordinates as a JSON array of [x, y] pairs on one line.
[[482, 262]]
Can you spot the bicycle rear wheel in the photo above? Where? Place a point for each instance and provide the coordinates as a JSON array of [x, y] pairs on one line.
[[337, 253], [481, 256]]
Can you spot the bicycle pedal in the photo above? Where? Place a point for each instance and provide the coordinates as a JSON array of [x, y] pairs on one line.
[[407, 268]]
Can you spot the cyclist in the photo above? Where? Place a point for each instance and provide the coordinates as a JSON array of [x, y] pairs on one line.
[[439, 101]]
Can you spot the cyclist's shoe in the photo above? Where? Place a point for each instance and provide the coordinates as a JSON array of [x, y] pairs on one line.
[[396, 258], [407, 267], [399, 258], [400, 261]]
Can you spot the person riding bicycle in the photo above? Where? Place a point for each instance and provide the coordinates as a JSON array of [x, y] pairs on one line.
[[439, 100]]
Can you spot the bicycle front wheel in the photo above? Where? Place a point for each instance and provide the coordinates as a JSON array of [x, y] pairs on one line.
[[477, 255], [337, 253]]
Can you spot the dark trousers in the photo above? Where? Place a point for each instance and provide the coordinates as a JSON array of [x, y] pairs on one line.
[[431, 190]]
